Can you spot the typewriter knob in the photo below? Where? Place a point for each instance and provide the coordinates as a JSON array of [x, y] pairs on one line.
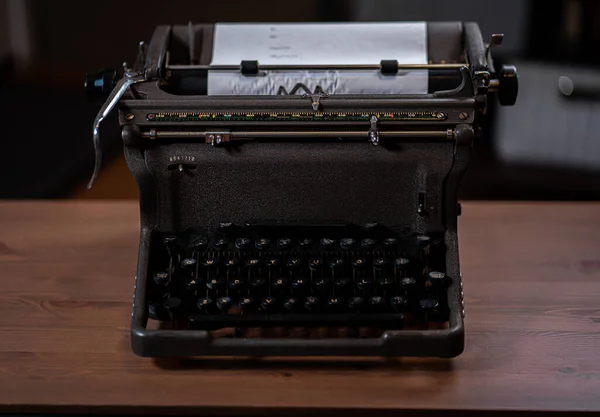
[[315, 264], [293, 263], [508, 90], [359, 263], [223, 304], [398, 303], [272, 263], [189, 264], [209, 263], [246, 303], [268, 303], [231, 263], [336, 263], [334, 304], [291, 304], [204, 304], [262, 244], [311, 303], [99, 84]]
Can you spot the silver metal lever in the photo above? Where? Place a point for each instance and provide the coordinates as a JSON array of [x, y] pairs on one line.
[[120, 89]]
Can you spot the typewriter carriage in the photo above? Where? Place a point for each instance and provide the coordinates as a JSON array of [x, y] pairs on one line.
[[297, 170]]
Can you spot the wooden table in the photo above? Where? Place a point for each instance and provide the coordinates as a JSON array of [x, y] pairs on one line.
[[532, 283]]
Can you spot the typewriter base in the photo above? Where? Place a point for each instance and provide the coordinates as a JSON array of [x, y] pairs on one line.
[[445, 343]]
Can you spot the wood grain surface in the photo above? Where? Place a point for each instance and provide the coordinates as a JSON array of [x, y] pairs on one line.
[[532, 285]]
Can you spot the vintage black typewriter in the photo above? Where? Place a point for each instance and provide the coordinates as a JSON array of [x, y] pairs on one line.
[[298, 184]]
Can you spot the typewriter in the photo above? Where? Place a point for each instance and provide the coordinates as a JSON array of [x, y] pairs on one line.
[[298, 184]]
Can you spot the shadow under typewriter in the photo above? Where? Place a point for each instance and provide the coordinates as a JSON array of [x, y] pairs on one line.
[[276, 282]]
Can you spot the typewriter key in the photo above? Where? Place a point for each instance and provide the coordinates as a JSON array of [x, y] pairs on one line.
[[437, 279], [192, 284], [161, 278], [224, 304], [311, 303], [209, 263], [272, 263], [279, 285], [408, 283], [268, 304], [172, 305], [257, 283], [243, 243], [389, 242], [305, 244], [204, 304], [356, 304], [376, 304], [314, 264], [385, 283], [200, 244], [189, 264], [246, 304], [252, 263], [215, 283], [342, 285], [380, 263], [336, 264], [368, 243], [334, 304], [284, 243], [347, 243], [326, 243], [230, 264], [322, 286], [359, 263], [262, 244], [398, 303], [236, 284], [299, 286], [365, 285], [220, 244], [402, 264], [291, 304]]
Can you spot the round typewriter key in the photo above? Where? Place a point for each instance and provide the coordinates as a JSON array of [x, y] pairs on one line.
[[368, 243], [220, 244], [242, 243], [336, 263], [252, 263], [298, 284], [204, 304], [268, 303], [172, 304], [293, 263], [326, 243], [365, 284], [311, 303], [376, 303], [284, 243], [200, 244], [231, 263], [279, 284], [257, 282], [408, 283], [437, 279], [224, 304], [215, 283], [343, 283], [236, 284], [322, 284], [305, 243], [347, 243], [161, 278], [380, 263], [192, 284], [315, 263], [356, 303], [390, 242], [359, 263], [385, 283], [262, 244], [398, 303], [371, 226], [402, 263], [189, 264], [209, 263], [291, 304], [272, 263], [334, 304], [428, 303], [246, 303]]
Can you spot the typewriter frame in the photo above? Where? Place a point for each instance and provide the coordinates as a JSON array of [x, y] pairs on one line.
[[462, 107]]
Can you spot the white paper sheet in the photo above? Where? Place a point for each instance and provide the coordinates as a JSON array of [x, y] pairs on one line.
[[319, 44]]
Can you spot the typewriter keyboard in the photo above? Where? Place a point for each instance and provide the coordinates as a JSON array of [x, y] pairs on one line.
[[241, 281]]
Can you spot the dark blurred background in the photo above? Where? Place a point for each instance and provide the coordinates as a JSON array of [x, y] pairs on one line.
[[546, 147]]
